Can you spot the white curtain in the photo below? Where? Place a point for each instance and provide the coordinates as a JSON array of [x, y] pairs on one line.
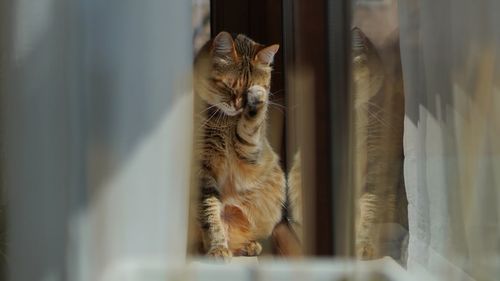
[[451, 68]]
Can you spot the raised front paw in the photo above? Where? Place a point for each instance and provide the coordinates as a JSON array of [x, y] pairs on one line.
[[220, 253], [256, 99]]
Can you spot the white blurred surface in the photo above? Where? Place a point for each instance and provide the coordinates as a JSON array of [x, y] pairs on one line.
[[268, 270], [96, 129], [451, 69]]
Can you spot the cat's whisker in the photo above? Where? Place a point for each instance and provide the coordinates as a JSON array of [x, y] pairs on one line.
[[220, 119], [275, 92], [277, 106], [381, 119], [217, 119], [380, 108], [208, 120], [212, 106], [277, 99], [378, 118]]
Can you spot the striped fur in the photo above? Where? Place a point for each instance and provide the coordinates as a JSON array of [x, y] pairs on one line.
[[242, 187], [378, 138]]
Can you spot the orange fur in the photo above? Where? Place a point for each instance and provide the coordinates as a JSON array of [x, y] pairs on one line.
[[241, 183]]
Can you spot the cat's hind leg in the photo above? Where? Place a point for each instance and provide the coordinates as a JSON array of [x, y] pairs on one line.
[[252, 248], [368, 225]]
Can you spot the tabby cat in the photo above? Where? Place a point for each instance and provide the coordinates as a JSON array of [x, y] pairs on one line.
[[241, 183]]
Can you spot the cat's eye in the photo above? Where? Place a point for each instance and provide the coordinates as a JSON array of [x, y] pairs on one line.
[[224, 82], [231, 82]]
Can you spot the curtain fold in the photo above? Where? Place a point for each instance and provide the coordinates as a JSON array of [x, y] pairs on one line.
[[451, 68]]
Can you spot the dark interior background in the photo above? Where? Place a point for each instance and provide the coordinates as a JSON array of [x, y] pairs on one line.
[[261, 20], [314, 36]]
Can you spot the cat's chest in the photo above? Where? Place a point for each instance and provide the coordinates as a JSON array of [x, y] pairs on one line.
[[234, 177]]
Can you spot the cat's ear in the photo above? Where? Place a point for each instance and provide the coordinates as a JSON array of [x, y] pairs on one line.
[[266, 55], [223, 44], [360, 43], [358, 39]]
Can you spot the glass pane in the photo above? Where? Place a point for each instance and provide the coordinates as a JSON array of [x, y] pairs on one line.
[[378, 110]]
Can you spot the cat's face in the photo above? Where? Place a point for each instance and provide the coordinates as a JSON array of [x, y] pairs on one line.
[[229, 67], [367, 69]]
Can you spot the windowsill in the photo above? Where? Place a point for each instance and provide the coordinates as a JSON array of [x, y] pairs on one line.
[[268, 269]]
